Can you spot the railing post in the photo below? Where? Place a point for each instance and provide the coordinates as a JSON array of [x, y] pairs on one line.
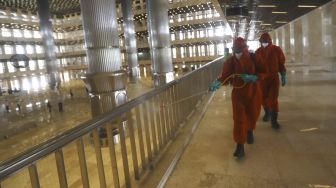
[[152, 116], [34, 179], [113, 156], [167, 114], [133, 145], [99, 158], [147, 133], [82, 163], [158, 108], [61, 168], [124, 153], [162, 119], [140, 136]]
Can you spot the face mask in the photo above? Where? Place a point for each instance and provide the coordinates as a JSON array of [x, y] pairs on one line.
[[238, 55], [264, 44]]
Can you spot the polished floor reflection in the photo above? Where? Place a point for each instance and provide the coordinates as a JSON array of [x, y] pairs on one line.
[[301, 154], [23, 130]]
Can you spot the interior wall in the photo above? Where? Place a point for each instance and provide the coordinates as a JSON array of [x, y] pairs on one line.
[[310, 39]]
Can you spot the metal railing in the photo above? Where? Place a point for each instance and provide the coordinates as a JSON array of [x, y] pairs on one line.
[[137, 133]]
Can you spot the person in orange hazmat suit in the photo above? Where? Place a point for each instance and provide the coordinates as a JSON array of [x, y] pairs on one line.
[[243, 71], [275, 64]]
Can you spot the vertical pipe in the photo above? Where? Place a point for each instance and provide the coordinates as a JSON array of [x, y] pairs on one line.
[[48, 44], [159, 41], [130, 40]]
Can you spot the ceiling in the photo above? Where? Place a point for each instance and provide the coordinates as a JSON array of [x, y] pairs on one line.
[[258, 20], [263, 18]]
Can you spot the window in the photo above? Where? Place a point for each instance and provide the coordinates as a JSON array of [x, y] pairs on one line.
[[202, 50], [219, 31], [210, 32], [181, 35], [191, 54], [2, 68], [19, 49], [36, 34], [8, 49], [211, 48], [39, 49], [27, 34], [32, 65], [172, 36], [6, 32], [29, 49], [174, 52], [17, 33], [200, 33], [182, 52], [191, 34], [11, 68], [41, 64], [220, 49]]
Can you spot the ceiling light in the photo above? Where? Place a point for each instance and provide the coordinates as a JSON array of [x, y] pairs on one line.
[[265, 24], [281, 22], [266, 6], [256, 21], [279, 12], [306, 6], [251, 11]]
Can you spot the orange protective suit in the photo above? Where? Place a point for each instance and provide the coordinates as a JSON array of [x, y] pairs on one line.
[[246, 101], [275, 63]]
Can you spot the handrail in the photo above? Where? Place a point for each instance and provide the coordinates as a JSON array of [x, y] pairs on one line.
[[29, 157]]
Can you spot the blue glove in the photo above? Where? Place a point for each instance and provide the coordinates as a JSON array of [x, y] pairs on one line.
[[283, 78], [216, 85], [249, 78]]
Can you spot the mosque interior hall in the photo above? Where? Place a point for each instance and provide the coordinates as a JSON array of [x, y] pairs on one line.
[[130, 93]]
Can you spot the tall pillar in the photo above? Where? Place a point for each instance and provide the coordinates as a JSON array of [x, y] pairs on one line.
[[298, 41], [159, 41], [292, 42], [130, 40], [328, 33], [286, 43], [48, 44], [105, 79]]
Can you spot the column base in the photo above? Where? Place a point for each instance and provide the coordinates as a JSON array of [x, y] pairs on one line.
[[162, 78]]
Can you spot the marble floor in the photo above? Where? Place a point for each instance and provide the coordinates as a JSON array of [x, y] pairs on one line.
[[301, 154], [47, 125]]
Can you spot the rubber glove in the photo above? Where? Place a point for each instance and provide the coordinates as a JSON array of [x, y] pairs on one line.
[[283, 78], [249, 78], [214, 86]]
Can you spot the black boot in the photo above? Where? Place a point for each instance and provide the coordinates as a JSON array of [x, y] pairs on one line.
[[250, 137], [266, 115], [239, 151], [274, 120]]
